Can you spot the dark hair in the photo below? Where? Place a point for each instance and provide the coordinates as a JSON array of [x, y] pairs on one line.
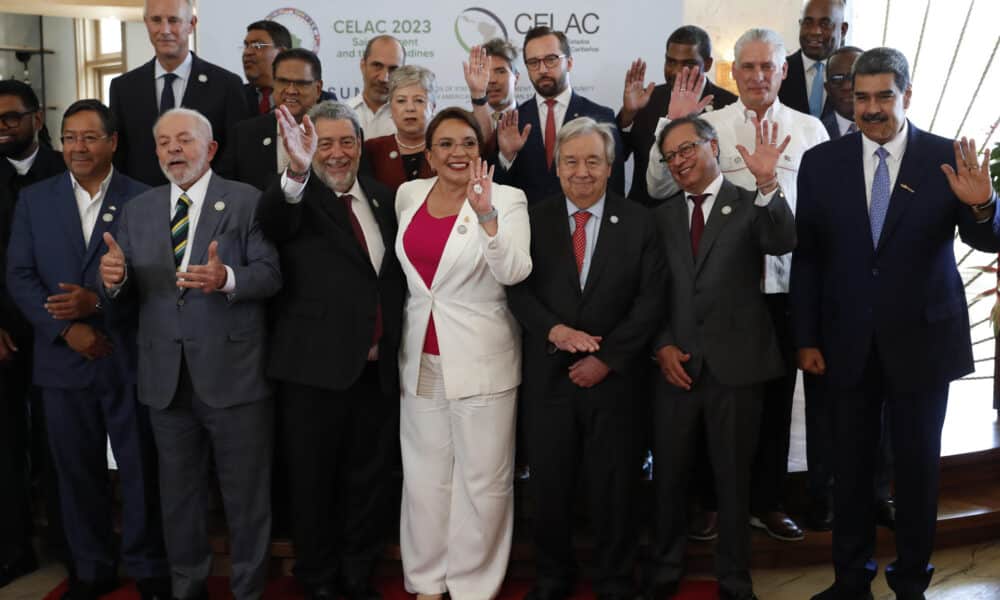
[[108, 121], [702, 128], [457, 114], [299, 54], [883, 60], [13, 87], [542, 31], [278, 32], [503, 49], [690, 35], [837, 52], [379, 38]]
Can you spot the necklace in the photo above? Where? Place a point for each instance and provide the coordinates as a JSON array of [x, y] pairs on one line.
[[406, 146]]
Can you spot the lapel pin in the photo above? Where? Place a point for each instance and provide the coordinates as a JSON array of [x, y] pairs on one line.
[[112, 208], [462, 229], [394, 155], [107, 218], [220, 206], [466, 219], [907, 188], [788, 158], [375, 202], [614, 218], [267, 141], [203, 78], [575, 115], [727, 209]]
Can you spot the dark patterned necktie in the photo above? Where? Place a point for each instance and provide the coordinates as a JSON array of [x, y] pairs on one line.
[[179, 229]]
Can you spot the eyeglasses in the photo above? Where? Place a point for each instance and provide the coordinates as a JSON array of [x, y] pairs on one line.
[[13, 119], [840, 79], [88, 139], [258, 46], [346, 143], [550, 61], [685, 150], [447, 145], [300, 84], [824, 23]]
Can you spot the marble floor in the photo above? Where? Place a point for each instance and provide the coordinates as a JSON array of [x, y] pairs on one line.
[[965, 573]]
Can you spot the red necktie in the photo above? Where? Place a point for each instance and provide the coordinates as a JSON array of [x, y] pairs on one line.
[[550, 132], [580, 237], [697, 222], [360, 235], [265, 101]]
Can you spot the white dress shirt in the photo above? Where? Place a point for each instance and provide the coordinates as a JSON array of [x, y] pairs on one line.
[[183, 73], [713, 192], [808, 65], [362, 210], [559, 113], [896, 148], [591, 230], [374, 124], [196, 193], [734, 126], [23, 166], [89, 206], [843, 125]]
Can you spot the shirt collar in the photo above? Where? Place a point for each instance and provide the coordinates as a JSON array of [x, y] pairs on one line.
[[773, 112], [355, 191], [596, 211], [23, 166], [895, 146], [712, 189], [101, 190], [842, 124], [196, 193], [562, 99], [807, 63], [182, 71]]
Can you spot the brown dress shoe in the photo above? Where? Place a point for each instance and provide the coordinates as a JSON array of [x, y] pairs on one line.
[[779, 526]]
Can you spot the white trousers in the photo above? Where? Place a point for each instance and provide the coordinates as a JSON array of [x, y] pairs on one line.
[[457, 516]]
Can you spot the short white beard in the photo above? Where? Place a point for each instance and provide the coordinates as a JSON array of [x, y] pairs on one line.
[[189, 175]]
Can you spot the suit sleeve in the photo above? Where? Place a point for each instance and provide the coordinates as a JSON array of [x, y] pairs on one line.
[[259, 277], [659, 182], [279, 219], [807, 260], [984, 236], [115, 104], [665, 334], [26, 287], [625, 342], [508, 253], [774, 226]]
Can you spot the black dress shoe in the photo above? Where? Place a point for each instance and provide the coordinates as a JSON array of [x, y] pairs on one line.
[[885, 513], [837, 592], [661, 591], [90, 590], [154, 588], [819, 517], [20, 565]]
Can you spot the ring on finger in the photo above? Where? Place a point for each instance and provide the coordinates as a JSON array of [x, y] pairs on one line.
[[477, 188]]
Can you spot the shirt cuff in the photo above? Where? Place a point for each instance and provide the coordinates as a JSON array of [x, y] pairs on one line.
[[506, 164], [116, 289], [985, 214], [293, 189], [765, 199], [627, 129], [230, 281]]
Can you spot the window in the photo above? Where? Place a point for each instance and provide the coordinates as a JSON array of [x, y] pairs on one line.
[[99, 56]]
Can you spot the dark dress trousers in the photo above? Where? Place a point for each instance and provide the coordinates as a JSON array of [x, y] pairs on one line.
[[587, 434], [338, 410], [892, 324], [641, 137], [87, 401], [715, 312], [530, 172], [210, 90]]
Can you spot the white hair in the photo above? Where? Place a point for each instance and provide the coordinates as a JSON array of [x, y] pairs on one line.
[[204, 126], [760, 34]]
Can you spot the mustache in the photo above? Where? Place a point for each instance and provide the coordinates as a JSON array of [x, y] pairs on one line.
[[875, 118]]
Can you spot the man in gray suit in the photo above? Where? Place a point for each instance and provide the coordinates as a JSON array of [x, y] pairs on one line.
[[191, 258], [717, 340]]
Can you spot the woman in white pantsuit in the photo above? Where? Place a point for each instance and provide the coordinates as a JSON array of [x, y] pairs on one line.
[[461, 239]]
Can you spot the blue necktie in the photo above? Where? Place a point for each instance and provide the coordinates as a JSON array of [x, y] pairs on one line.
[[880, 195], [167, 97], [816, 94]]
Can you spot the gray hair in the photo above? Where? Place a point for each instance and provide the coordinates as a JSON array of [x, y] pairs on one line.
[[189, 3], [204, 126], [336, 111], [585, 126], [884, 60], [407, 75], [760, 34]]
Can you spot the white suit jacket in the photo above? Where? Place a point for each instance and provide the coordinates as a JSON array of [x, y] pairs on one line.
[[479, 339]]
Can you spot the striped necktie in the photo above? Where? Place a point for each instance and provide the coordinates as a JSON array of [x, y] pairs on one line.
[[179, 229]]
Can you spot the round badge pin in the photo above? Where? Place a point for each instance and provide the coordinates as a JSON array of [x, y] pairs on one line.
[[727, 209], [375, 202], [203, 78], [462, 229], [394, 155], [267, 141], [107, 218], [614, 218], [220, 206]]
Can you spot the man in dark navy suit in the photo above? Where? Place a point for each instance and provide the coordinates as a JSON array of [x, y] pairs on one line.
[[840, 92], [526, 155], [821, 31], [85, 359], [174, 78], [879, 310]]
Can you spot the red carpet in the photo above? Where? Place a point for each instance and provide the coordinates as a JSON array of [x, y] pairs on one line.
[[285, 588]]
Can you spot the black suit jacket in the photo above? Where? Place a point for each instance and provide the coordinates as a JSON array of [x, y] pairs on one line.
[[252, 157], [47, 163], [324, 317], [529, 171], [642, 136], [211, 90], [793, 89], [623, 299]]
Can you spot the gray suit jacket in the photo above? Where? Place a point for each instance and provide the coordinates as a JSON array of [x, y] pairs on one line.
[[221, 336], [715, 309]]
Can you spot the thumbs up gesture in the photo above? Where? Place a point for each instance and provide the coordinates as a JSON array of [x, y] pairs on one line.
[[209, 277], [112, 263]]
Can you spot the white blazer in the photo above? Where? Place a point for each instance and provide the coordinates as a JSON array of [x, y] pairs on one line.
[[479, 339]]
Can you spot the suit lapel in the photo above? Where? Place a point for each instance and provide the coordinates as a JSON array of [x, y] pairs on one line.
[[209, 219], [851, 168], [147, 95], [68, 215], [561, 244], [911, 171], [381, 208], [680, 227], [338, 223], [197, 83], [268, 143], [110, 207], [723, 211], [460, 237]]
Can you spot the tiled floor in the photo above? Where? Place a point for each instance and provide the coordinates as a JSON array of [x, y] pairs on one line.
[[966, 573]]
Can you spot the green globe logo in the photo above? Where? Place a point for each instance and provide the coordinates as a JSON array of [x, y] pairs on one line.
[[475, 25]]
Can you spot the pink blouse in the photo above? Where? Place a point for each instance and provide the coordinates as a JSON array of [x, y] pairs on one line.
[[424, 242]]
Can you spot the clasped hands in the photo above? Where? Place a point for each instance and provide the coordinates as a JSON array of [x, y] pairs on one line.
[[589, 370]]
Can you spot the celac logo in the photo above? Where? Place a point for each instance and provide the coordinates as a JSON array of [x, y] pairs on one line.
[[475, 25], [305, 32]]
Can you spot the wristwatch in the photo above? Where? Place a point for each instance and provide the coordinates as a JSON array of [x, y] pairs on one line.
[[488, 216], [295, 175], [479, 101]]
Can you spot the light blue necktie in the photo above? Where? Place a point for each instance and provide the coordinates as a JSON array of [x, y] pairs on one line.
[[816, 94], [880, 195]]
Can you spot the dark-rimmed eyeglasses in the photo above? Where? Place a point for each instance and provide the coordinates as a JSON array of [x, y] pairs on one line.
[[13, 119], [550, 61], [88, 139], [685, 150]]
